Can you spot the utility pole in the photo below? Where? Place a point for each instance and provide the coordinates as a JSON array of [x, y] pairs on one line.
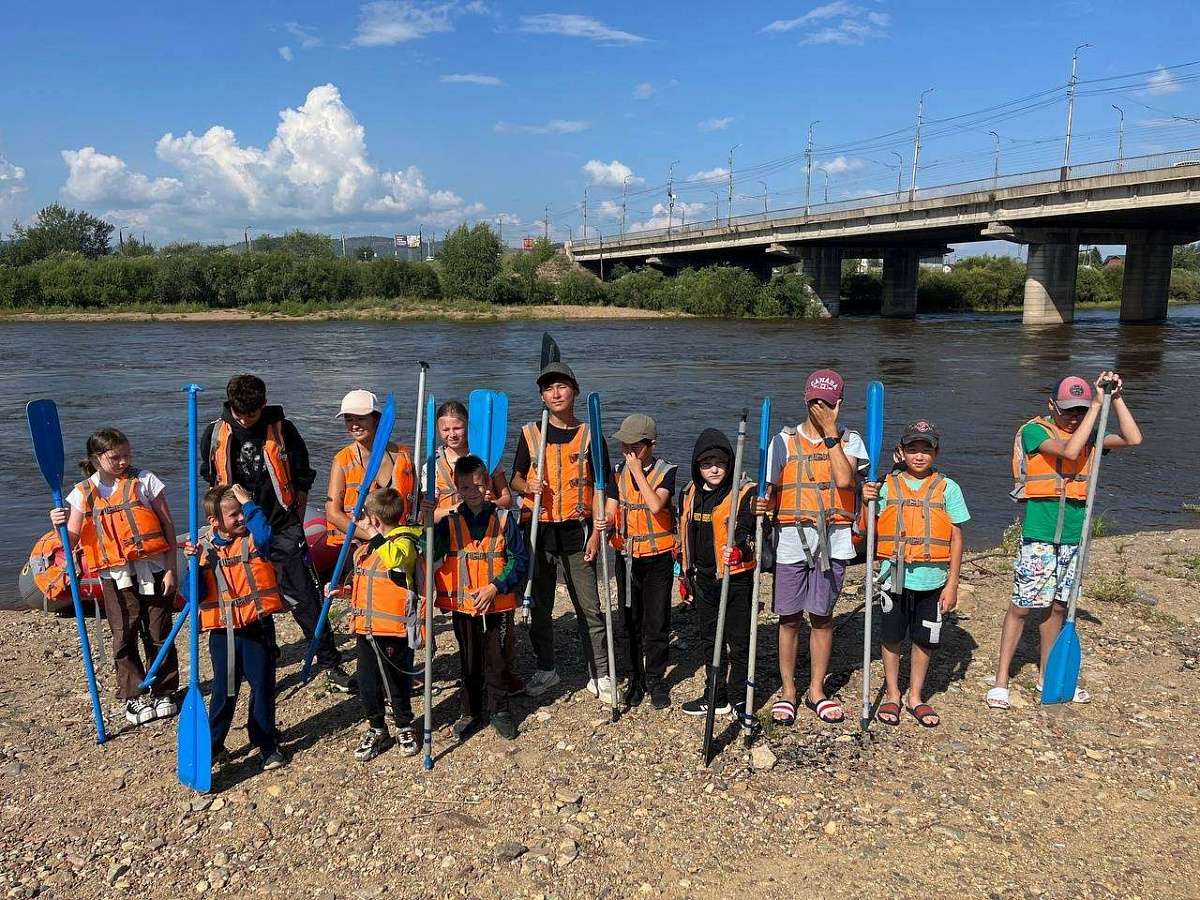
[[729, 208], [671, 196], [585, 200], [624, 192], [246, 235], [912, 185], [1120, 138], [996, 151], [716, 208], [1071, 85], [120, 237], [500, 229], [600, 235], [899, 172], [343, 245], [808, 148], [546, 223], [764, 185], [825, 172]]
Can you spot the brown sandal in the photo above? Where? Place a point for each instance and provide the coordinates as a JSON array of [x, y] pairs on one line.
[[888, 713]]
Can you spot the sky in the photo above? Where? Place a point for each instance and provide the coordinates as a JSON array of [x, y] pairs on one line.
[[194, 121]]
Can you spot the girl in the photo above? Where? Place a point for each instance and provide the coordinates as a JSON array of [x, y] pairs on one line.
[[452, 429], [120, 519]]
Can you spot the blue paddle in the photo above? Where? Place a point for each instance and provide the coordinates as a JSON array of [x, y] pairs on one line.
[[764, 446], [1062, 667], [487, 425], [152, 672], [596, 439], [383, 434], [193, 739], [874, 451], [48, 450], [430, 490]]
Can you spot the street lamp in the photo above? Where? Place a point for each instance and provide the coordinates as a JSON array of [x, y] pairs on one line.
[[899, 172], [729, 210], [996, 164], [764, 187], [912, 185], [825, 172], [1120, 137], [624, 189], [808, 148], [716, 208], [671, 195], [1071, 85]]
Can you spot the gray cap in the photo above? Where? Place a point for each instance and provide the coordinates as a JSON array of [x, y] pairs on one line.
[[635, 428], [557, 371]]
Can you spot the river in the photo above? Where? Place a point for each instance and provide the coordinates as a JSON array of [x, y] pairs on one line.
[[976, 377]]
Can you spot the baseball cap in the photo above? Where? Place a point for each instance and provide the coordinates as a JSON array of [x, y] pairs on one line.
[[1072, 392], [358, 403], [920, 430], [637, 427], [557, 371], [824, 384]]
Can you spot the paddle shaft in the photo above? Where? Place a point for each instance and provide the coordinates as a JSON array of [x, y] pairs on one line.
[[415, 513], [1085, 539], [527, 601], [430, 489], [752, 651], [85, 646], [180, 620], [869, 587]]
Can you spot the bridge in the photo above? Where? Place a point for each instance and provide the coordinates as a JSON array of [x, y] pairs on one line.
[[1148, 203]]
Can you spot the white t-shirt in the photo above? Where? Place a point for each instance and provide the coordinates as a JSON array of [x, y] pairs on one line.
[[149, 486], [791, 540]]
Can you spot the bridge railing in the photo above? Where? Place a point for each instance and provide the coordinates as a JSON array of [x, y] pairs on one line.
[[1168, 160]]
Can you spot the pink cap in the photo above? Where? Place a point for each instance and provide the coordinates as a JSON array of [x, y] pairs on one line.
[[824, 384], [1072, 393]]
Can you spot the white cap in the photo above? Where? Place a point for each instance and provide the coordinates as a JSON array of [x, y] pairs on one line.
[[359, 403]]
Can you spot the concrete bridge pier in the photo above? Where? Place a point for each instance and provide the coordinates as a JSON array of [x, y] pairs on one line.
[[1147, 281], [1050, 283], [900, 268], [823, 266]]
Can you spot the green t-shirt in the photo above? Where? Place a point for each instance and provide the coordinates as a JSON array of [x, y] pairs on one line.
[[928, 576], [1041, 513]]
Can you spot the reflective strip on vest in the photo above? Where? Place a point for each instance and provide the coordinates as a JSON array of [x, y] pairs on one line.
[[719, 523], [658, 541], [124, 499], [274, 459], [900, 498], [805, 480], [370, 568], [557, 465]]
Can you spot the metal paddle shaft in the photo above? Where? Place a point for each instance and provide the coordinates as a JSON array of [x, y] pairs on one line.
[[735, 487], [487, 425], [1062, 665], [527, 600], [600, 511], [414, 514], [165, 648], [383, 433], [194, 735], [764, 445], [430, 490], [875, 409], [46, 433]]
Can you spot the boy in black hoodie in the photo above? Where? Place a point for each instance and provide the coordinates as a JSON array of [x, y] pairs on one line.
[[254, 445], [706, 551]]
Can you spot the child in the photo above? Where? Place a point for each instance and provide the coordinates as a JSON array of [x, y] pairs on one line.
[[254, 445], [1052, 457], [384, 612], [484, 564], [452, 429], [813, 474], [568, 498], [919, 538], [119, 516], [707, 550], [645, 535], [239, 592]]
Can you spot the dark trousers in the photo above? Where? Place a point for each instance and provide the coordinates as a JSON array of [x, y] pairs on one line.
[[644, 626], [481, 654], [135, 619], [299, 584], [580, 577], [254, 661], [731, 676], [384, 664]]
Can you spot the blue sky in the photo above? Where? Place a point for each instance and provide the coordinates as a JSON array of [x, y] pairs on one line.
[[193, 120]]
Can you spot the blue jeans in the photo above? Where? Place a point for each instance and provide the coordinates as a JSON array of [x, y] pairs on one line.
[[254, 660]]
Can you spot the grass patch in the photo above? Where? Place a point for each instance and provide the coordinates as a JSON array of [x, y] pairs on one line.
[[1191, 566], [1102, 524], [1111, 589], [1010, 541]]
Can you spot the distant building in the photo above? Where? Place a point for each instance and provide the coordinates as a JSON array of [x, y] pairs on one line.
[[1110, 261]]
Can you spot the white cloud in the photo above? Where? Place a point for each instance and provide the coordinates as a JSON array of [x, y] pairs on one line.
[[643, 91], [383, 23], [315, 171], [835, 23], [482, 80], [305, 35], [709, 174], [1162, 82], [684, 212], [571, 25], [840, 164], [13, 192], [715, 124], [611, 174], [286, 53], [554, 126], [609, 209]]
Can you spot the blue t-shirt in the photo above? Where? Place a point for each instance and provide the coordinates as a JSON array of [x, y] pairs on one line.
[[927, 576]]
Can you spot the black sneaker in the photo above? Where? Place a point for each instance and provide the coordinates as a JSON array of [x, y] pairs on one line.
[[635, 693], [660, 694], [336, 679], [374, 742], [699, 707], [504, 725], [276, 760], [466, 726]]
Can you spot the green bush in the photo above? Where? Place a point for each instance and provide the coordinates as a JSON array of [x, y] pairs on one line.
[[644, 289], [862, 293], [936, 292], [1091, 286], [1185, 285], [19, 286], [470, 258], [120, 280], [505, 290], [393, 278], [180, 278], [63, 280], [580, 289], [716, 291], [787, 296]]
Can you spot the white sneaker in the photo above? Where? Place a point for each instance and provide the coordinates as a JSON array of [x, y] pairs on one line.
[[604, 689], [592, 689], [164, 707], [139, 711], [542, 681]]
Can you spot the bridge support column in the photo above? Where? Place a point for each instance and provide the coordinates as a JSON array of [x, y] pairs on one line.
[[823, 266], [1147, 280], [900, 268], [1050, 284]]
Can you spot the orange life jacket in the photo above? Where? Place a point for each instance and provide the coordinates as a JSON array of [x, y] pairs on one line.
[[643, 533], [241, 586], [378, 606], [447, 493], [119, 529], [1040, 475], [914, 526], [470, 565], [568, 492], [720, 526], [351, 460], [806, 492], [48, 566], [274, 454]]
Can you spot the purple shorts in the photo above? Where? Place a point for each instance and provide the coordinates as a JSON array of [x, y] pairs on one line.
[[800, 589]]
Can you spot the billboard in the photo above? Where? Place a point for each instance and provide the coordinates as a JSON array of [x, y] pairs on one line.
[[400, 241], [527, 244], [414, 241]]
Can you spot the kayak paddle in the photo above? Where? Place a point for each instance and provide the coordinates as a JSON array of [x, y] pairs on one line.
[[46, 433], [430, 490], [550, 353], [596, 439], [875, 399], [487, 426], [764, 445], [165, 648]]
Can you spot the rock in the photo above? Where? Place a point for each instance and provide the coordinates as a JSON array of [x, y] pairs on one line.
[[1095, 754], [565, 795], [201, 887], [333, 826], [13, 769], [116, 870], [199, 804], [1144, 794], [217, 805], [274, 790], [1145, 598], [568, 851], [508, 851], [830, 827], [762, 758], [955, 834]]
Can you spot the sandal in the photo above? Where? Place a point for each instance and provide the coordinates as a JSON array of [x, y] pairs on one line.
[[888, 712], [997, 698], [783, 712], [923, 712], [828, 711], [406, 741]]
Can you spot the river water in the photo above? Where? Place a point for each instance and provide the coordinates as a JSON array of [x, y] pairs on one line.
[[977, 378]]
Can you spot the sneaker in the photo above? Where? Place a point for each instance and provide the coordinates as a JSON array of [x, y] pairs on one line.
[[139, 711], [542, 681], [276, 760], [164, 707], [515, 685], [337, 680], [603, 689], [504, 725], [406, 740], [660, 694], [635, 693], [699, 707], [374, 742], [465, 726]]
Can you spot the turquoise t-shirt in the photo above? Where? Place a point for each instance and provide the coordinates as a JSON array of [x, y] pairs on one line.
[[1041, 513], [927, 576]]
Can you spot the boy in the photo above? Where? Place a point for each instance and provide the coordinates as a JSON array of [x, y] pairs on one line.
[[813, 473], [645, 535], [706, 551], [1052, 457], [919, 538], [384, 612], [254, 445], [563, 539], [483, 566], [238, 595]]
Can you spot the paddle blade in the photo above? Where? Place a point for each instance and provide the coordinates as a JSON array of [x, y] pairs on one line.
[[597, 439], [874, 427], [550, 351], [430, 446], [764, 444], [47, 441], [194, 744], [1062, 668], [383, 434], [487, 425]]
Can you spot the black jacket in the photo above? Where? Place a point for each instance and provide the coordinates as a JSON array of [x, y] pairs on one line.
[[700, 536]]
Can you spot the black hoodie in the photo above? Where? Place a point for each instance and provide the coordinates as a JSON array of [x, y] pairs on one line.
[[700, 536], [249, 468]]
